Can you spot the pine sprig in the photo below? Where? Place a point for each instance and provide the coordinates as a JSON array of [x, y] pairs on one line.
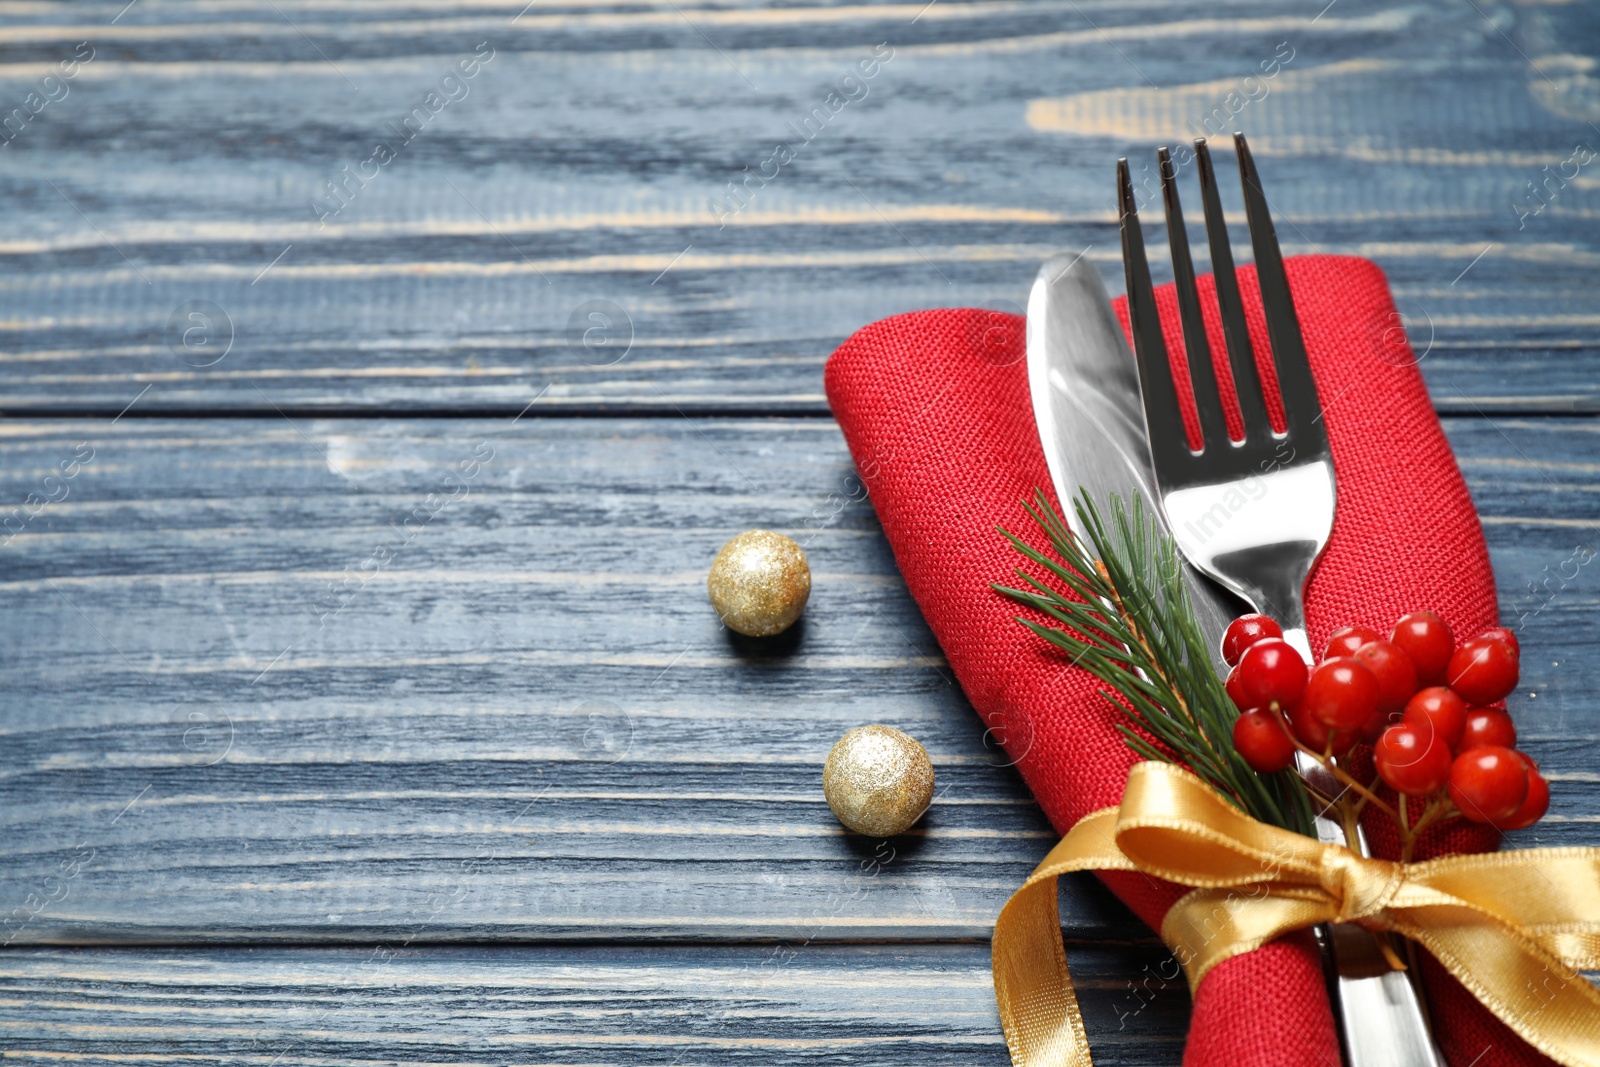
[[1125, 617]]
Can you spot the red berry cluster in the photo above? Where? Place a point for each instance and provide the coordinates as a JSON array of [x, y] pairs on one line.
[[1418, 698]]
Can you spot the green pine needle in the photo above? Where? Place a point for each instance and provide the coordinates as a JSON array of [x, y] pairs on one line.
[[1124, 616]]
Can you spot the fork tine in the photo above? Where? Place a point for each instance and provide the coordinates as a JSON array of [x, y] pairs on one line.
[[1241, 354], [1202, 375], [1163, 419], [1301, 407]]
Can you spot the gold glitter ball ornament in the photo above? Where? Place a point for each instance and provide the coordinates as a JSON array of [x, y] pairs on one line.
[[878, 781], [759, 583]]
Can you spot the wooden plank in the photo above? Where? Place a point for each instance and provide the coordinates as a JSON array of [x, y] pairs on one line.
[[590, 160], [457, 745], [809, 1004], [525, 723]]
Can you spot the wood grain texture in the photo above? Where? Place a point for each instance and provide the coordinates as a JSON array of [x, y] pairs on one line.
[[453, 680], [803, 1005], [525, 723], [590, 160]]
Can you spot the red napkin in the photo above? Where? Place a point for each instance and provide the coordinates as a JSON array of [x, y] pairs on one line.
[[935, 408]]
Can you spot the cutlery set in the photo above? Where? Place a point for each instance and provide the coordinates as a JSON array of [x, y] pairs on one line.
[[1250, 511]]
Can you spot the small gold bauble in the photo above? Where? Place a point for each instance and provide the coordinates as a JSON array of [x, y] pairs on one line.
[[878, 781], [759, 583]]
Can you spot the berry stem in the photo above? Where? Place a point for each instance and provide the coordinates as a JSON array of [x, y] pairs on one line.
[[1352, 826], [1386, 947], [1382, 938], [1438, 808], [1367, 795]]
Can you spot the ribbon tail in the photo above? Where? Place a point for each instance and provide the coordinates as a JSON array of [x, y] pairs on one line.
[[1549, 1003], [1032, 985]]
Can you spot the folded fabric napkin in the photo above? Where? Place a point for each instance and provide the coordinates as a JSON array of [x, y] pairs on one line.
[[936, 411]]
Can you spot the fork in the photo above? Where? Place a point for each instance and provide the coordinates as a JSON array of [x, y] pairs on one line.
[[1255, 513]]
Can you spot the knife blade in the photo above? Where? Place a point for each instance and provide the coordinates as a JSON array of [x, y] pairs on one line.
[[1085, 389]]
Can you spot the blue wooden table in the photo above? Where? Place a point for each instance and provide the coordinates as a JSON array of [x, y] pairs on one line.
[[379, 381]]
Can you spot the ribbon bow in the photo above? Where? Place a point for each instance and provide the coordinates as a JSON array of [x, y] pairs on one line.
[[1515, 927]]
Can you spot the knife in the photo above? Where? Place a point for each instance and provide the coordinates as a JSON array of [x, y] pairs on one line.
[[1085, 388]]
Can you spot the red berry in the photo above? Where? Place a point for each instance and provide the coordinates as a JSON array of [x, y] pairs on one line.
[[1427, 639], [1483, 670], [1263, 741], [1341, 693], [1489, 784], [1344, 642], [1272, 672], [1534, 805], [1487, 726], [1236, 691], [1317, 737], [1500, 633], [1397, 678], [1245, 631], [1438, 712], [1412, 761]]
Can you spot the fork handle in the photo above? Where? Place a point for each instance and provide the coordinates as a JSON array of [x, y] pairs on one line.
[[1382, 1018], [1382, 1022]]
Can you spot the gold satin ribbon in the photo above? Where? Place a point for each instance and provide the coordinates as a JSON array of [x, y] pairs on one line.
[[1514, 927]]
